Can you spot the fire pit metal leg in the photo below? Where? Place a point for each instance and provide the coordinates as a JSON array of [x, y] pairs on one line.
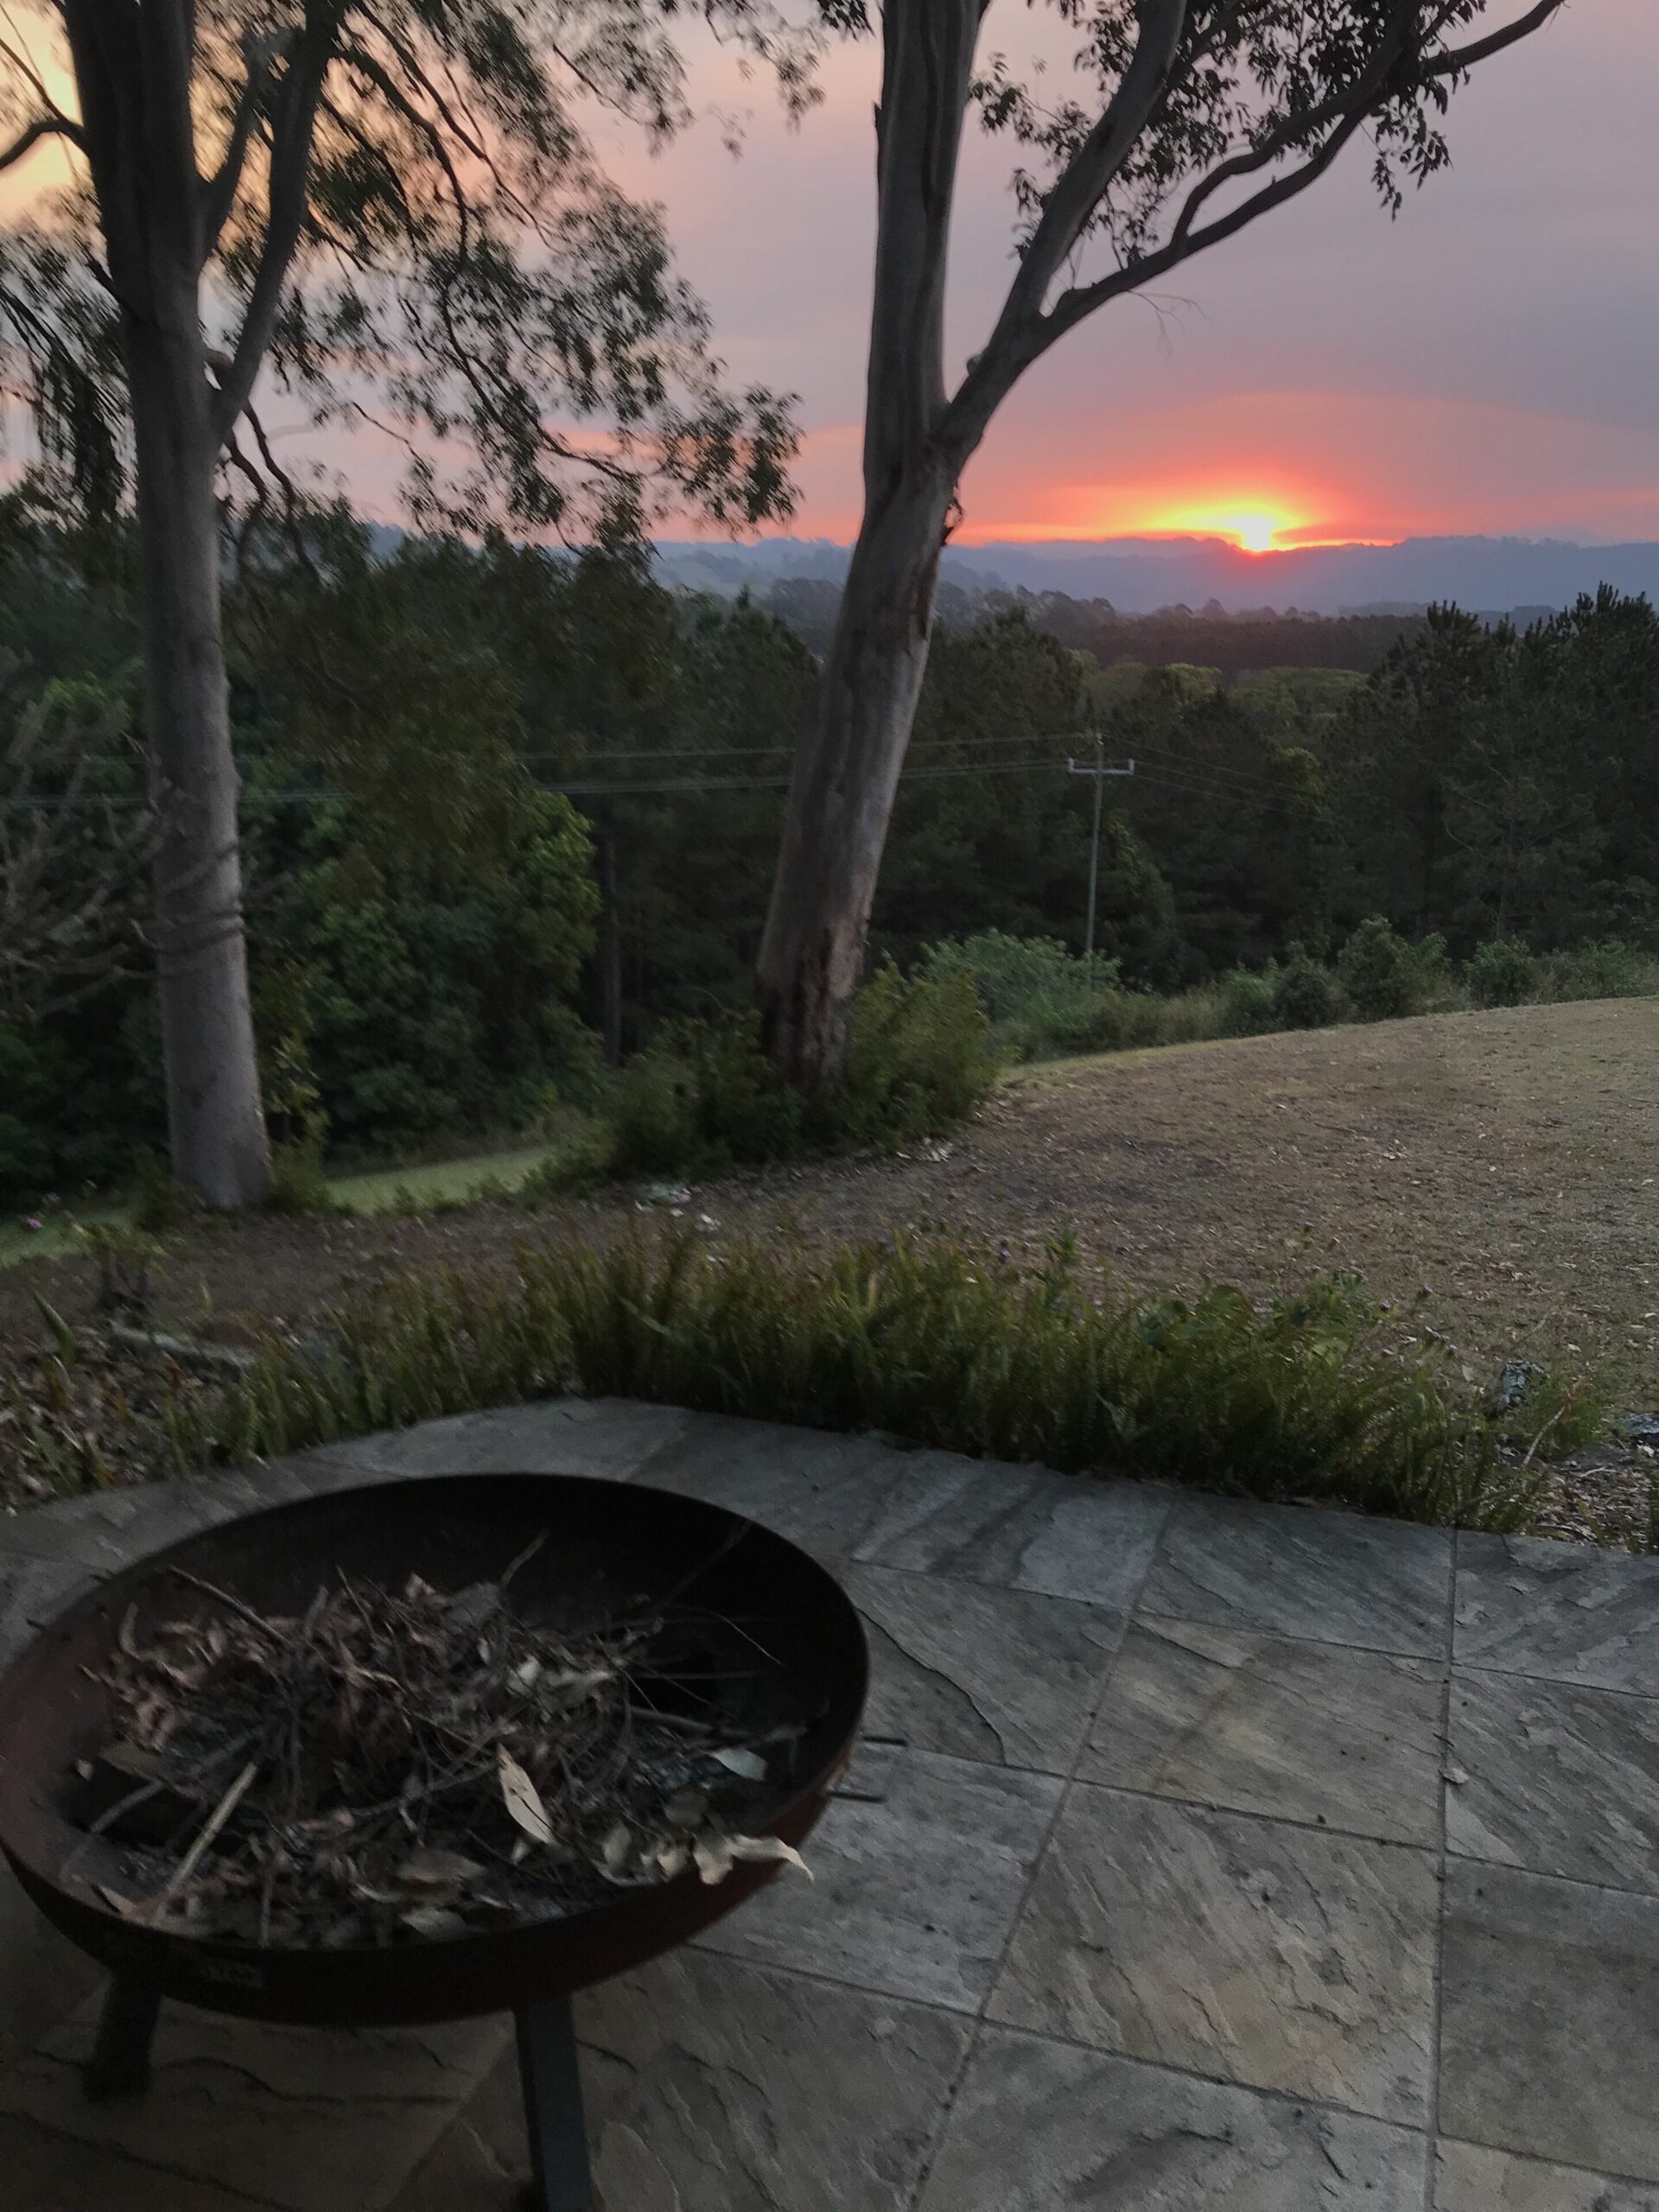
[[119, 2065], [552, 2087]]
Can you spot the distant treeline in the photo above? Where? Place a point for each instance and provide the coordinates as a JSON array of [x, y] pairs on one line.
[[497, 806], [1210, 638]]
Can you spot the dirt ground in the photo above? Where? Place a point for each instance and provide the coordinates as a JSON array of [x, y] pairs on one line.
[[1509, 1161], [1506, 1163]]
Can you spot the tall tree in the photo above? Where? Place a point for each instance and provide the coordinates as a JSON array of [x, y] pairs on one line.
[[385, 207], [1202, 116]]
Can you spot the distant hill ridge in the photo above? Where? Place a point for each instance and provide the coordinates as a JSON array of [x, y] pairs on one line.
[[1142, 576]]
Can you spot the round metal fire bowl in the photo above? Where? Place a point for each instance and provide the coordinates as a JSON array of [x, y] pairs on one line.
[[615, 1544]]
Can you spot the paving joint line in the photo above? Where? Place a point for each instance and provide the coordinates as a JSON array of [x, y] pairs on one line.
[[980, 2021], [1431, 2177]]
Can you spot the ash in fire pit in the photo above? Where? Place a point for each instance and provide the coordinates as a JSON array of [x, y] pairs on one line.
[[404, 1763]]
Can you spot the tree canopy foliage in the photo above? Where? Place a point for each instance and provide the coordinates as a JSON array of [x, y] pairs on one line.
[[396, 217]]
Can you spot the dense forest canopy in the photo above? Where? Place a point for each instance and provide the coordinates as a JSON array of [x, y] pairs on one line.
[[440, 743]]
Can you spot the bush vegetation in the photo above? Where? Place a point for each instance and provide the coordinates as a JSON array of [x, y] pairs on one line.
[[703, 1097], [942, 1343], [1376, 976]]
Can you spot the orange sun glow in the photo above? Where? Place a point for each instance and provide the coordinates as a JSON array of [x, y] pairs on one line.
[[1252, 529]]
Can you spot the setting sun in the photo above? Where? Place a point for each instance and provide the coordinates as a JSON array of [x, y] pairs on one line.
[[1252, 529]]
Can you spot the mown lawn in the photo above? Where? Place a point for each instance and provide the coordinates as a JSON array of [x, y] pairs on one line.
[[1507, 1162]]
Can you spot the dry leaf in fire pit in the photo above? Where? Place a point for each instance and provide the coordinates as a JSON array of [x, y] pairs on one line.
[[716, 1855], [433, 1922], [748, 1764], [520, 1794], [430, 1868]]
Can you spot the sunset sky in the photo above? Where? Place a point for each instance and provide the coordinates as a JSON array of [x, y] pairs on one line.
[[1489, 363]]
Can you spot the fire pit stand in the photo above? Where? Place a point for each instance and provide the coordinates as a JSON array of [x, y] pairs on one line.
[[619, 1546], [551, 2080], [550, 2075]]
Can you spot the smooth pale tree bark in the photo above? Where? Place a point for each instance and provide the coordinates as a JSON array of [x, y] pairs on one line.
[[160, 219], [847, 773], [367, 197], [215, 1117], [918, 436]]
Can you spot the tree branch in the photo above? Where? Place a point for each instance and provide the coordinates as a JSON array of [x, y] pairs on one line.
[[1296, 128], [219, 191], [1073, 198], [43, 126], [1073, 306], [1465, 57], [293, 125]]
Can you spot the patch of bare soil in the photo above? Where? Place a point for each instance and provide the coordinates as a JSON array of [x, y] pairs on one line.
[[1507, 1162]]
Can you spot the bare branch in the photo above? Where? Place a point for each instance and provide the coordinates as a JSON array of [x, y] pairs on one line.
[[43, 126], [1295, 128], [1073, 306], [1453, 62], [293, 128], [219, 192]]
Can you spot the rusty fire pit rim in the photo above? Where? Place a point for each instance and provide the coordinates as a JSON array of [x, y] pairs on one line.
[[169, 1956]]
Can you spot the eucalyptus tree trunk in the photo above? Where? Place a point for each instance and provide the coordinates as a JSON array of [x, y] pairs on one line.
[[847, 769], [215, 1118], [134, 69]]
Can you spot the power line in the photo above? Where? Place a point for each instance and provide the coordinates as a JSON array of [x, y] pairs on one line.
[[925, 745], [580, 788]]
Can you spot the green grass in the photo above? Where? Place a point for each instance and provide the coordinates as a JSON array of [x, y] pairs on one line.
[[440, 1182], [385, 1190], [941, 1343]]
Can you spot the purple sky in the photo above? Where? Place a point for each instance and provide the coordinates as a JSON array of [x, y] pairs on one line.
[[1489, 363]]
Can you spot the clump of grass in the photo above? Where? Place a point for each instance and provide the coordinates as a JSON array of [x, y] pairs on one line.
[[941, 1343]]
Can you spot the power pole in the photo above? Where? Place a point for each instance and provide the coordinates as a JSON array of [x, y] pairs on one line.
[[1099, 771]]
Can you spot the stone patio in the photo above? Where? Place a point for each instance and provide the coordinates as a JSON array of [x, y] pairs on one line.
[[1199, 1855]]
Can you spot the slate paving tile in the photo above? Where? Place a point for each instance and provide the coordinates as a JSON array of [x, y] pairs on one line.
[[1469, 2179], [43, 1977], [106, 1533], [1303, 1732], [1001, 1676], [1020, 1527], [821, 1491], [607, 1437], [31, 1590], [1561, 1780], [1569, 1611], [44, 2172], [1041, 2126], [1276, 1957], [913, 1894], [715, 2087], [1549, 2019], [1304, 1571], [304, 2119]]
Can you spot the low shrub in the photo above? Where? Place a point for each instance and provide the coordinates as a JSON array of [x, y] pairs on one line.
[[1501, 972], [919, 1059], [583, 1158], [160, 1203], [946, 1344], [1021, 978], [1608, 970], [1248, 1008], [299, 1181], [1384, 977], [700, 1097], [1305, 995]]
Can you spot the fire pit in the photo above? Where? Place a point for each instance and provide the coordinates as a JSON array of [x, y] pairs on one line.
[[583, 1554]]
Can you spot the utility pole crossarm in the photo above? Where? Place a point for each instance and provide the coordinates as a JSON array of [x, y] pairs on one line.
[[1098, 770]]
